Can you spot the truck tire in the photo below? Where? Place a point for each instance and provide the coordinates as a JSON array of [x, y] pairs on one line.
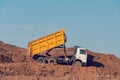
[[77, 63], [42, 60], [52, 61]]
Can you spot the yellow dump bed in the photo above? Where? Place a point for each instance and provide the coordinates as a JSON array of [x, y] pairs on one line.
[[47, 42]]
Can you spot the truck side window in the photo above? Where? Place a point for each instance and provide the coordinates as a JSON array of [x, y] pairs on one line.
[[82, 51]]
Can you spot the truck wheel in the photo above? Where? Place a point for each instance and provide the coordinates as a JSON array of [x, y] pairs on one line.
[[44, 61], [77, 63], [52, 61], [40, 60]]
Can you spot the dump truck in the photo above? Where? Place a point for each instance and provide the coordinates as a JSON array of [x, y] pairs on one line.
[[40, 48]]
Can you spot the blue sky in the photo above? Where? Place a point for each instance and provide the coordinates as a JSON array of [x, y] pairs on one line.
[[93, 24]]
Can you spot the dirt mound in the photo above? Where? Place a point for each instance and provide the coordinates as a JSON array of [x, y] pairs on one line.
[[11, 53], [45, 71], [16, 65], [109, 61]]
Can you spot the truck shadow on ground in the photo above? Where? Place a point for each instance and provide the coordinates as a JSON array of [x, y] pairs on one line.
[[91, 62]]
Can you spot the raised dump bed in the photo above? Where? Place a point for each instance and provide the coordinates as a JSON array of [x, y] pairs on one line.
[[46, 43]]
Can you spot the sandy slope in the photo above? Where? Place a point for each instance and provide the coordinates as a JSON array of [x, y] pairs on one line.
[[16, 65]]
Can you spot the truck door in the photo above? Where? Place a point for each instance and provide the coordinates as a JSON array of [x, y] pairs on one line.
[[81, 55]]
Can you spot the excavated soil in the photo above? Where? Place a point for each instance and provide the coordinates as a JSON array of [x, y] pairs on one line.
[[16, 65]]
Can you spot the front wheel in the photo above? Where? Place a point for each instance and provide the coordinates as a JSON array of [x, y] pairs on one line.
[[77, 63]]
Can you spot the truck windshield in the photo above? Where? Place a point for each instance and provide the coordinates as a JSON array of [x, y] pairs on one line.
[[82, 51]]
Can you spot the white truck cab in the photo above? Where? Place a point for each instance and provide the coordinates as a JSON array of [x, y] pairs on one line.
[[80, 56]]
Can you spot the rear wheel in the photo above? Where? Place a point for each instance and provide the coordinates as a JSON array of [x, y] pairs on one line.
[[77, 63], [52, 61], [42, 60]]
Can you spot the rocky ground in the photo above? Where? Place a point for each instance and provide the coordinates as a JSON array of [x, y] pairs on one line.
[[16, 65]]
